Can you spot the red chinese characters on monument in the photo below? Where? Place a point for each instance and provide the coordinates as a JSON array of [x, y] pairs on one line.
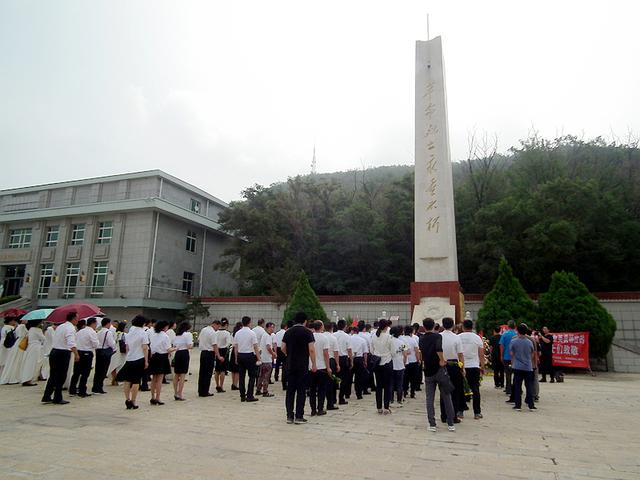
[[571, 349]]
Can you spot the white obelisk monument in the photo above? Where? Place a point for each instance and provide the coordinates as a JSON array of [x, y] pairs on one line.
[[436, 291]]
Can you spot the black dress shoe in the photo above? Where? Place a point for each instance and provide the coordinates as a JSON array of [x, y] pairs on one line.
[[343, 402], [206, 395], [253, 399], [46, 400], [233, 387], [322, 412], [61, 402], [332, 407], [84, 395], [219, 390]]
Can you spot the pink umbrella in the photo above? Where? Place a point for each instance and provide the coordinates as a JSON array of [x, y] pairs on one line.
[[84, 310], [13, 313]]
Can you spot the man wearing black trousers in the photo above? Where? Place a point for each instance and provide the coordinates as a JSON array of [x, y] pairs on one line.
[[320, 377], [360, 353], [281, 358], [106, 348], [452, 350], [206, 343], [298, 344], [86, 342], [245, 347], [64, 344], [345, 360]]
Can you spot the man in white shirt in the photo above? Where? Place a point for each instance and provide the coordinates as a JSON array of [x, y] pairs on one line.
[[106, 348], [267, 355], [86, 342], [259, 330], [245, 348], [64, 344], [412, 375], [319, 378], [334, 364], [452, 351], [207, 342], [473, 351], [360, 354], [281, 358], [345, 361]]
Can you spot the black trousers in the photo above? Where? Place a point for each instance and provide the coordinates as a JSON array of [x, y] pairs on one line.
[[318, 389], [473, 379], [281, 362], [546, 365], [332, 388], [102, 365], [518, 377], [247, 365], [412, 378], [81, 371], [296, 393], [457, 396], [498, 371], [371, 377], [58, 367], [207, 362], [384, 381], [361, 376], [346, 378]]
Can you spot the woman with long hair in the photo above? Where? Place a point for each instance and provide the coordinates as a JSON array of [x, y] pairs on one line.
[[399, 359], [233, 365], [137, 361], [182, 343], [382, 348], [159, 365]]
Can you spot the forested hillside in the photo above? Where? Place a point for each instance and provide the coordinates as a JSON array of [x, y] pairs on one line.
[[565, 204]]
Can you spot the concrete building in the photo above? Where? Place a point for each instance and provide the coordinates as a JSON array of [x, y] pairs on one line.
[[134, 243]]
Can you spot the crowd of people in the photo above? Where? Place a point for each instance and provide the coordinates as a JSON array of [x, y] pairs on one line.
[[325, 364]]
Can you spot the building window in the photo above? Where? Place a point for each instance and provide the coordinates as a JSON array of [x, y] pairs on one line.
[[20, 238], [71, 276], [105, 233], [187, 283], [195, 206], [99, 279], [77, 234], [46, 275], [191, 241], [51, 240]]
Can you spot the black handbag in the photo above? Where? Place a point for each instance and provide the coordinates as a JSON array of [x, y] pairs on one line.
[[104, 352], [122, 346], [374, 361], [444, 381]]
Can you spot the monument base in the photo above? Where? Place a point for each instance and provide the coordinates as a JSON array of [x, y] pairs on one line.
[[437, 294]]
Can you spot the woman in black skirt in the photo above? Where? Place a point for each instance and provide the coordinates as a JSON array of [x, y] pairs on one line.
[[159, 365], [233, 365], [183, 343], [137, 361]]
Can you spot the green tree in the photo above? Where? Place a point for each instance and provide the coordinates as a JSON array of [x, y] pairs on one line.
[[304, 300], [506, 301], [568, 306]]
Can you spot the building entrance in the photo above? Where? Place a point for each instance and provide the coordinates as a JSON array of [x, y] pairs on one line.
[[13, 276]]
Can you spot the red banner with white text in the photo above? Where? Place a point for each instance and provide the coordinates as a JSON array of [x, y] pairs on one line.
[[571, 349]]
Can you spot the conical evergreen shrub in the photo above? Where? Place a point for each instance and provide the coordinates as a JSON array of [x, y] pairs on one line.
[[568, 306], [304, 299], [506, 301]]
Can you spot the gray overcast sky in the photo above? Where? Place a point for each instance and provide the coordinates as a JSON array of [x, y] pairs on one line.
[[231, 93]]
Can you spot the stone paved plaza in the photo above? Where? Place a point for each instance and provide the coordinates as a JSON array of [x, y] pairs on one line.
[[587, 427]]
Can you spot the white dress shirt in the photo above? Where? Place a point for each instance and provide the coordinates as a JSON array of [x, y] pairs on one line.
[[159, 342], [343, 342], [322, 344], [87, 339], [358, 345], [106, 338], [279, 334], [184, 341], [64, 337], [382, 346], [265, 356], [245, 339], [224, 338], [259, 331], [412, 344], [207, 339], [367, 338], [451, 345], [333, 344], [135, 338], [471, 342]]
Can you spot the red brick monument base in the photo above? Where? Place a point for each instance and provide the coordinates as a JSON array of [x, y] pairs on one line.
[[450, 290]]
